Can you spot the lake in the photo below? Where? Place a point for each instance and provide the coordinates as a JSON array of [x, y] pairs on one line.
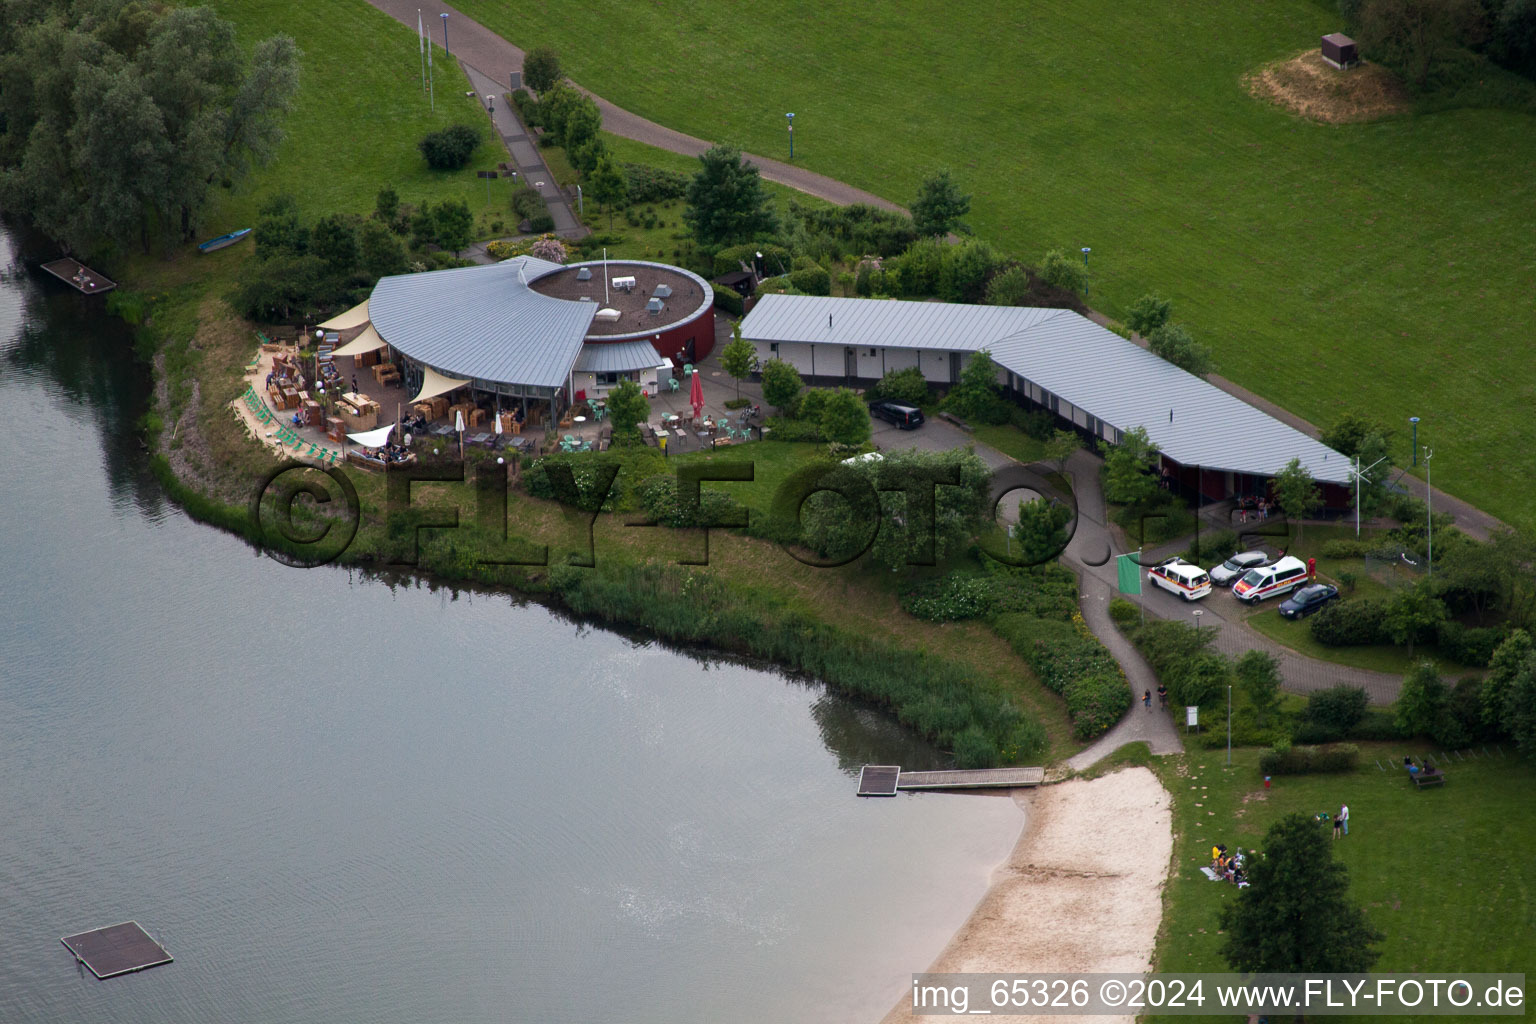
[[336, 798]]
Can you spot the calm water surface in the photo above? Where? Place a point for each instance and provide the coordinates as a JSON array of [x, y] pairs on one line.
[[338, 800]]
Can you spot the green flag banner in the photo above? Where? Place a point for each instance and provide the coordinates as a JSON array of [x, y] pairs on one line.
[[1129, 570]]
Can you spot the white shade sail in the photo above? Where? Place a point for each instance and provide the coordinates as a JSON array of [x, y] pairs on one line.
[[354, 317], [434, 384], [373, 438], [365, 342]]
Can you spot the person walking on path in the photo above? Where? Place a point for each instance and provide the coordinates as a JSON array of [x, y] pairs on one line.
[[1146, 700], [1162, 696], [1344, 817]]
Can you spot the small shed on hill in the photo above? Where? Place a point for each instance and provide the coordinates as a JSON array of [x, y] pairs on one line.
[[1340, 50]]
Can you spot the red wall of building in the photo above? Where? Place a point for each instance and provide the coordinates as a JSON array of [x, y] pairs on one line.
[[672, 342]]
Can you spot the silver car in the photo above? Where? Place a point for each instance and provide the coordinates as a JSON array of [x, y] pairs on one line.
[[1232, 569]]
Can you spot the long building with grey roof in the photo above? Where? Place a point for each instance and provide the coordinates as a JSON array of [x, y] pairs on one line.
[[1057, 360]]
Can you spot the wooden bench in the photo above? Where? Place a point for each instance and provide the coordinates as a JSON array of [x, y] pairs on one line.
[[1434, 778]]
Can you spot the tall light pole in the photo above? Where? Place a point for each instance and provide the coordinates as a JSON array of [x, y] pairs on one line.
[[445, 35], [1086, 251], [1229, 725], [1429, 515], [791, 119], [1415, 421]]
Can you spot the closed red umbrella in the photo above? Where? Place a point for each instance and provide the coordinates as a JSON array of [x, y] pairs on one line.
[[696, 395]]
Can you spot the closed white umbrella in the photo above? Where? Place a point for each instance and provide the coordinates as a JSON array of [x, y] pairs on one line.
[[498, 424], [458, 424]]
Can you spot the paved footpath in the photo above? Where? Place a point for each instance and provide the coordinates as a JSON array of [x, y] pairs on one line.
[[481, 50]]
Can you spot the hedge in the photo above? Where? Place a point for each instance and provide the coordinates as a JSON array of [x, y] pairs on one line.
[[1350, 623], [1342, 757], [1472, 646], [729, 301], [1071, 662]]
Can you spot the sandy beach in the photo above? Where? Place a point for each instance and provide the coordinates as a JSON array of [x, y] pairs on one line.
[[1081, 892]]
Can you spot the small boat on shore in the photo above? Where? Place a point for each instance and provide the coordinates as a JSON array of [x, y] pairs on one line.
[[223, 241]]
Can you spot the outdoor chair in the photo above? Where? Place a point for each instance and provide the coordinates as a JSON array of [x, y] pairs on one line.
[[672, 383], [687, 369]]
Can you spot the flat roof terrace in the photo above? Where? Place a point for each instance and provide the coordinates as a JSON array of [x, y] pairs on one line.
[[685, 297]]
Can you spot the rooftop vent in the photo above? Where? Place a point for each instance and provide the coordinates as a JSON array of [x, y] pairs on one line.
[[662, 292], [584, 274], [625, 283], [609, 315], [654, 306]]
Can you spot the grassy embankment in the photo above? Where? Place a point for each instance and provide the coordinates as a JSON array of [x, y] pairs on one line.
[[1382, 267], [844, 626], [1442, 872]]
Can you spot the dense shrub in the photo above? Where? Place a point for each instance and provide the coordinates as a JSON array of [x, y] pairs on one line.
[[647, 184], [1346, 547], [526, 202], [658, 496], [1304, 760], [635, 466], [776, 259], [812, 280], [854, 230], [950, 598], [1350, 623], [1037, 423], [1181, 658], [1045, 591], [449, 149], [541, 223], [782, 428], [906, 385], [1468, 646], [1340, 708], [1071, 662], [1377, 724], [1123, 612]]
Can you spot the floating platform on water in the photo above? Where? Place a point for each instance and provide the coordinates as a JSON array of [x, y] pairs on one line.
[[886, 780], [79, 276], [120, 949]]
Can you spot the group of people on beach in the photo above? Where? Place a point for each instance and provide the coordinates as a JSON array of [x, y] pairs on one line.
[[1228, 867]]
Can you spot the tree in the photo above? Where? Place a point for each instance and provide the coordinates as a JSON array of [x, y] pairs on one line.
[[1061, 446], [781, 385], [844, 417], [1064, 271], [978, 395], [1516, 654], [1411, 613], [334, 241], [1041, 530], [579, 126], [1295, 493], [1174, 343], [726, 199], [1417, 35], [453, 223], [608, 187], [1148, 313], [279, 232], [541, 70], [939, 205], [550, 249], [1297, 916], [1009, 287], [380, 250], [118, 120], [386, 205], [964, 270], [737, 357], [627, 407], [1349, 432], [1258, 676], [1421, 699], [1130, 468]]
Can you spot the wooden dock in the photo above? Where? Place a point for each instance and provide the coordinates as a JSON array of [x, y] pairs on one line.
[[119, 949], [886, 780], [79, 276]]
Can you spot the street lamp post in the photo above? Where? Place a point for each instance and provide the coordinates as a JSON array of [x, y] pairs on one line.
[[791, 119], [1086, 251], [445, 35], [1429, 515], [1229, 725], [1415, 421]]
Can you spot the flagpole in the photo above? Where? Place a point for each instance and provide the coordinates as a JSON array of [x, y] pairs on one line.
[[421, 46], [431, 86], [605, 280]]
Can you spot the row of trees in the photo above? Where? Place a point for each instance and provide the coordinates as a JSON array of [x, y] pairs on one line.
[[1433, 42], [120, 118]]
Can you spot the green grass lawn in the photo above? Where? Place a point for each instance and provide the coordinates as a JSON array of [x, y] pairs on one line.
[[1011, 441], [1382, 267], [1444, 872], [1297, 635]]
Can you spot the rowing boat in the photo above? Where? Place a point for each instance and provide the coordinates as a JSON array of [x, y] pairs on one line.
[[222, 241]]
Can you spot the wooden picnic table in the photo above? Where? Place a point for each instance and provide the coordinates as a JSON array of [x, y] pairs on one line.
[[1428, 778]]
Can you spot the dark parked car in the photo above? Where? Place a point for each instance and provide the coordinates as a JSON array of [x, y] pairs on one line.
[[906, 417], [1230, 571], [1308, 600]]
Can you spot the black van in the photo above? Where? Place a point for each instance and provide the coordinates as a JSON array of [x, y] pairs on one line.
[[905, 417]]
